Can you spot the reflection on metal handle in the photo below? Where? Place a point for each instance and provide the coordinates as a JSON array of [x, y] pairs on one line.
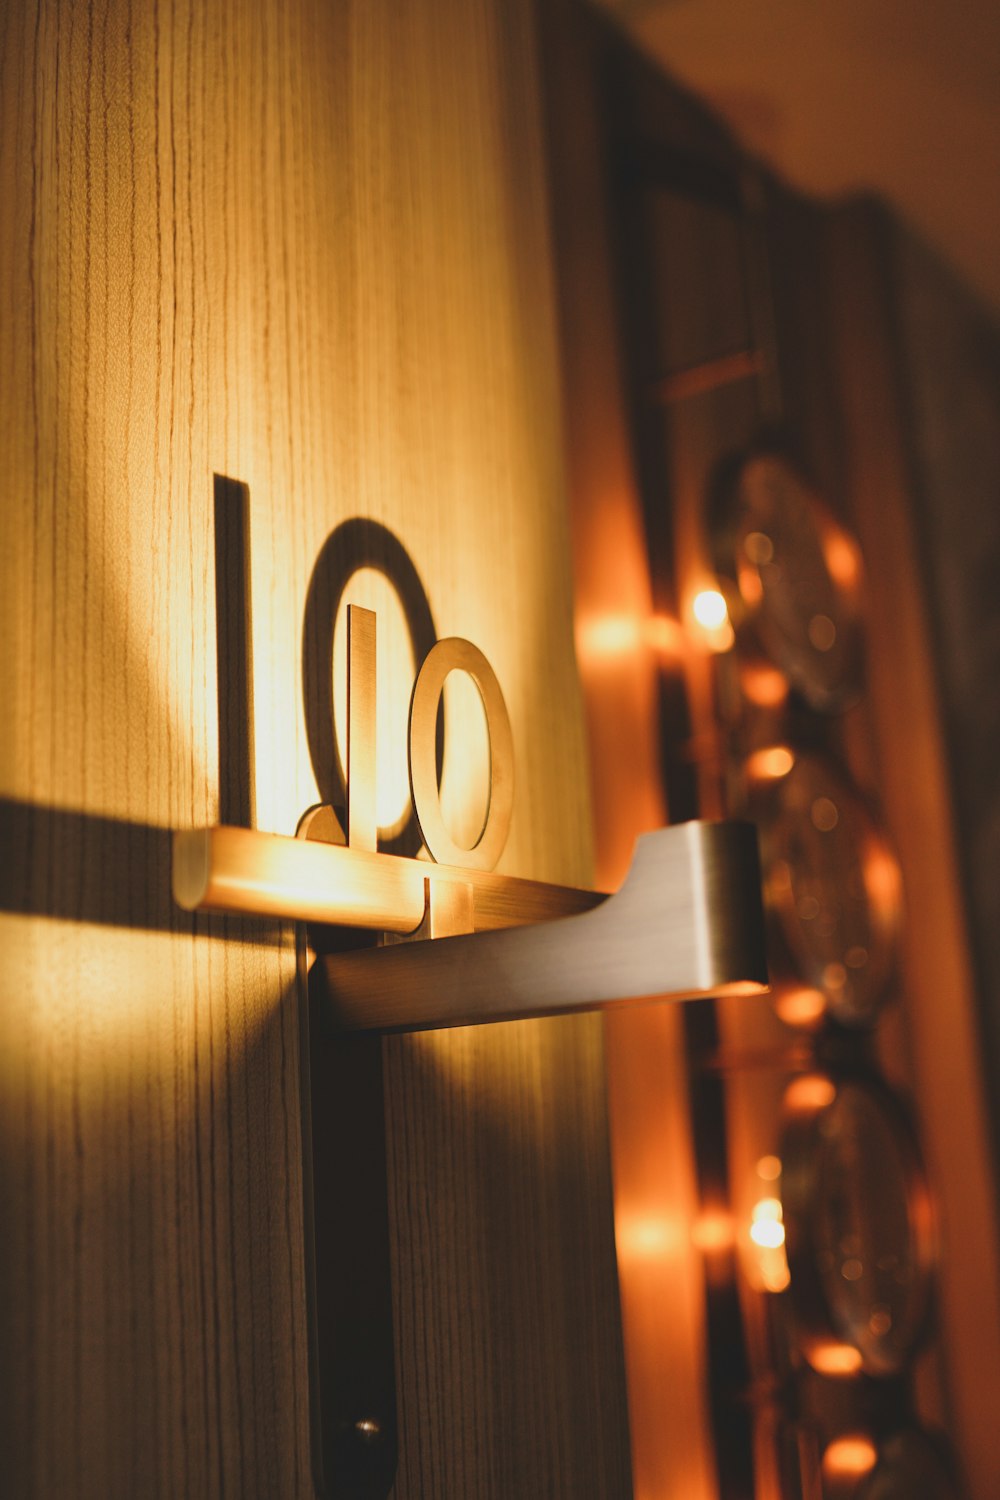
[[266, 874], [687, 922]]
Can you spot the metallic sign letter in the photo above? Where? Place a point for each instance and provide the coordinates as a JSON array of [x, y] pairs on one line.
[[362, 821], [457, 655]]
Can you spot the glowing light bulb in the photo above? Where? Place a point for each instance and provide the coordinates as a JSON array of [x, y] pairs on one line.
[[709, 609], [768, 1264], [768, 1234]]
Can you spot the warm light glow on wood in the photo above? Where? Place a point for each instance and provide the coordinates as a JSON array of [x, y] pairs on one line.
[[238, 869], [606, 637], [713, 1231], [666, 637], [301, 249], [611, 636], [645, 1237]]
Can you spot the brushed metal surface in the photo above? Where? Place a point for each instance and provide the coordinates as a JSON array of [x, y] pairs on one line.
[[687, 922], [362, 821], [242, 870]]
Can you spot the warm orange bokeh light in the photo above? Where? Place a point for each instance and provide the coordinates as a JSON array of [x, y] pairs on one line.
[[768, 1264], [834, 1359], [709, 609], [769, 764], [768, 1234], [800, 1007], [810, 1093], [849, 1457], [763, 685], [881, 877], [843, 561], [709, 615], [751, 588], [766, 1229]]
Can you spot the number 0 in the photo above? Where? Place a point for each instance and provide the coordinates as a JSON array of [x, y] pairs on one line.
[[457, 655]]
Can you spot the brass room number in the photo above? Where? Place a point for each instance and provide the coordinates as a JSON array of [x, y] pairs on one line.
[[450, 655]]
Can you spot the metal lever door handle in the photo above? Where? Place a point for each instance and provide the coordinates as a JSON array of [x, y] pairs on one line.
[[688, 921]]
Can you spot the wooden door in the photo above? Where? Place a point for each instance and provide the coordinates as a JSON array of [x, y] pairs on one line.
[[304, 248]]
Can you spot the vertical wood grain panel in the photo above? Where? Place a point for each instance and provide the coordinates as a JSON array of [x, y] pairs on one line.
[[303, 247]]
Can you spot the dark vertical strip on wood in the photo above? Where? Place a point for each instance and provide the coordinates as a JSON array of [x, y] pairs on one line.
[[348, 1264], [235, 652], [289, 1095], [255, 1299], [237, 1366]]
